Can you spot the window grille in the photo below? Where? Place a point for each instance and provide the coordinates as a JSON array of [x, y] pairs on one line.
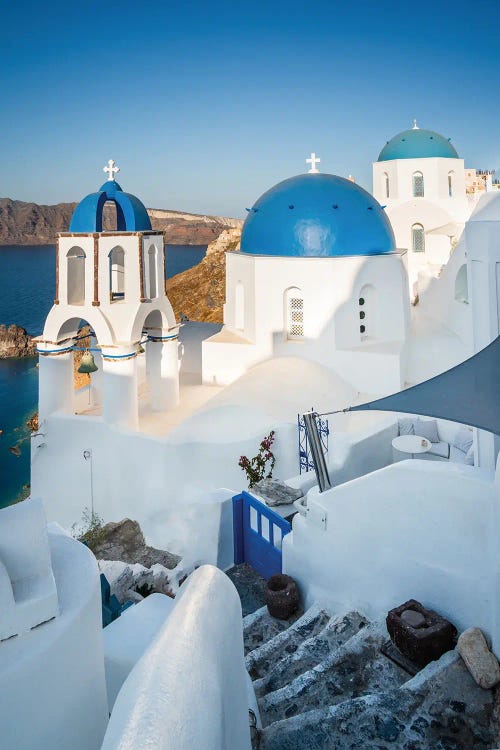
[[418, 185], [418, 238], [296, 317]]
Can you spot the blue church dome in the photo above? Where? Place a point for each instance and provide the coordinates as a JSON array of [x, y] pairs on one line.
[[317, 215], [131, 214], [418, 143]]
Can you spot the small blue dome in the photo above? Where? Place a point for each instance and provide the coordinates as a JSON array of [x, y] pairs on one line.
[[317, 215], [131, 214], [418, 143]]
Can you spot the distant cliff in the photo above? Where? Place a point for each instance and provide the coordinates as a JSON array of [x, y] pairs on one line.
[[199, 293], [30, 224]]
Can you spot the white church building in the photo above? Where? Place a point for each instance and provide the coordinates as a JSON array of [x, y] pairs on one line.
[[420, 179], [318, 277]]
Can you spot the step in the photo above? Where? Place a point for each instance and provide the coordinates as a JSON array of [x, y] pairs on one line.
[[439, 709], [261, 660], [259, 627], [356, 668], [309, 653]]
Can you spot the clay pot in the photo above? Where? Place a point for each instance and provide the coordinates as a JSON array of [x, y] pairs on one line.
[[282, 596]]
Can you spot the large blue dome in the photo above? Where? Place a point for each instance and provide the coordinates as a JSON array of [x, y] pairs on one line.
[[317, 215], [418, 143], [131, 214]]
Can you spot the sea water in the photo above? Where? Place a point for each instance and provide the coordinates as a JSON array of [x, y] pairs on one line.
[[27, 285]]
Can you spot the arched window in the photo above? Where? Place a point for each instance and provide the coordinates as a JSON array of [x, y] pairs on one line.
[[76, 276], [152, 286], [116, 274], [462, 285], [386, 184], [450, 184], [367, 313], [294, 313], [418, 238], [239, 306], [418, 185]]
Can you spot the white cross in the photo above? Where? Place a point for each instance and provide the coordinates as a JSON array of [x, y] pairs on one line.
[[415, 126], [111, 169], [313, 161]]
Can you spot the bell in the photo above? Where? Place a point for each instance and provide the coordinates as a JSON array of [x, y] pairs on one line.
[[87, 365]]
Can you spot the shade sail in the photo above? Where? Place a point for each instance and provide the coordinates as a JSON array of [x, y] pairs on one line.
[[468, 393]]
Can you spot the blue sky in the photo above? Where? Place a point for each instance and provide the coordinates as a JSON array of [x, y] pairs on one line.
[[204, 106]]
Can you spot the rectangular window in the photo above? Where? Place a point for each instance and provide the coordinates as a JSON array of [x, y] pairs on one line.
[[296, 317]]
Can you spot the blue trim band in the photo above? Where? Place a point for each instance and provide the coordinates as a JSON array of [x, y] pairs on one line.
[[54, 351], [118, 356], [163, 338]]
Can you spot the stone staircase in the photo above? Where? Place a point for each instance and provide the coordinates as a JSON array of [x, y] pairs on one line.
[[322, 683]]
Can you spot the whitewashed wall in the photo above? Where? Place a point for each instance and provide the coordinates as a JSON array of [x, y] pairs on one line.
[[414, 529], [146, 478], [331, 288], [52, 686], [189, 690], [434, 210]]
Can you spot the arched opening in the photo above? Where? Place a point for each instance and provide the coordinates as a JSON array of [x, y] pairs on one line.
[[418, 238], [77, 375], [386, 185], [294, 313], [152, 275], [76, 276], [450, 184], [418, 185], [462, 285], [239, 306], [367, 313], [116, 274]]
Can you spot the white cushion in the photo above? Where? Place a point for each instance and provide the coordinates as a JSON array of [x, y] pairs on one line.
[[405, 426], [463, 439], [457, 455], [440, 449], [427, 428]]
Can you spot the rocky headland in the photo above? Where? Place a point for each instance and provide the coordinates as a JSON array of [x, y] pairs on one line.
[[199, 293], [15, 342], [32, 224]]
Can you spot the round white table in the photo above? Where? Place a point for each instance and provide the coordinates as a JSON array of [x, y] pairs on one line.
[[412, 444]]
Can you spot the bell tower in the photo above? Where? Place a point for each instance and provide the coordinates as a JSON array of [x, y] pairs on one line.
[[110, 275]]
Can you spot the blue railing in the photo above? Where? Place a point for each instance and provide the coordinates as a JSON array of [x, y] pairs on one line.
[[306, 462]]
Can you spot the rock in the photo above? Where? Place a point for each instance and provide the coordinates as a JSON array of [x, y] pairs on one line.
[[124, 578], [15, 342], [479, 660], [32, 423], [412, 618], [125, 541], [276, 492], [15, 450], [120, 577], [199, 293]]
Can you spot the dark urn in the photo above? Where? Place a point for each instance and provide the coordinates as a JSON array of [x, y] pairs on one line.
[[419, 633], [282, 596]]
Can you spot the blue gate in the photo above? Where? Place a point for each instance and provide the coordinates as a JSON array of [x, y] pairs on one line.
[[258, 535]]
